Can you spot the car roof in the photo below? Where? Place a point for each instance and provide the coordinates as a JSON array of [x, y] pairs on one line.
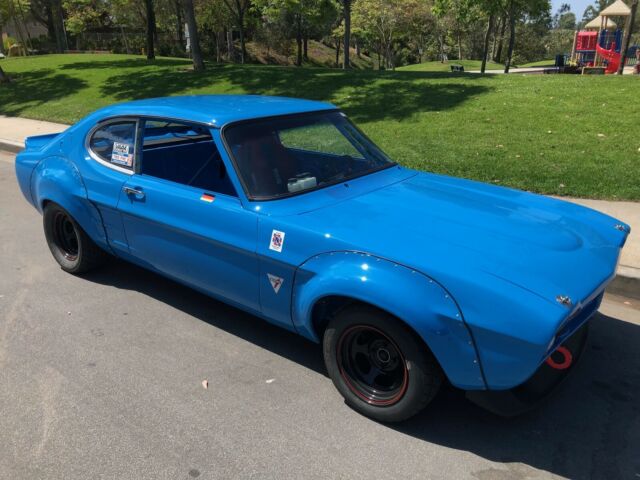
[[215, 110]]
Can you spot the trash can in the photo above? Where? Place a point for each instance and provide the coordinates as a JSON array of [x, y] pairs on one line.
[[559, 60]]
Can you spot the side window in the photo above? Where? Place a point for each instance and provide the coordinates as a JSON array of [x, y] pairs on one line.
[[185, 154], [115, 143]]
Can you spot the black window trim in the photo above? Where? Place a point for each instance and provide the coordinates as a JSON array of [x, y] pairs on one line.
[[103, 123], [254, 198]]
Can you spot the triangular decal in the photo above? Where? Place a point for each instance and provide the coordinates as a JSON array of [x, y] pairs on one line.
[[276, 282]]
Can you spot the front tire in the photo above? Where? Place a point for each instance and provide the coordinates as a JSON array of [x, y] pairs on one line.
[[382, 368], [72, 248]]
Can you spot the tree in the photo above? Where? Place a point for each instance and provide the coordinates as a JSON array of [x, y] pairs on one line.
[[564, 19], [346, 9], [214, 17], [517, 9], [298, 18], [196, 54], [238, 9], [382, 18], [151, 29], [420, 26]]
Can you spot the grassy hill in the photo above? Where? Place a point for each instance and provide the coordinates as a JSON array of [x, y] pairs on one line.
[[554, 134], [320, 55]]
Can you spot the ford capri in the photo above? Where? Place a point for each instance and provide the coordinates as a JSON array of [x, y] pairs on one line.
[[285, 209]]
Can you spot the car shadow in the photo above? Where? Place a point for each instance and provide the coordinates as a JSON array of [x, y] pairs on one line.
[[585, 430], [124, 275]]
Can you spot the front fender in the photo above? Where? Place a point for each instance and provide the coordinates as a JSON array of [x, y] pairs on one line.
[[58, 180], [419, 301]]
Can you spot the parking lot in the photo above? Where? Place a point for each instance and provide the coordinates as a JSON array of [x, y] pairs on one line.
[[101, 377]]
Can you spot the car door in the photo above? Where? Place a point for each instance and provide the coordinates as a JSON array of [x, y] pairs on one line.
[[182, 216]]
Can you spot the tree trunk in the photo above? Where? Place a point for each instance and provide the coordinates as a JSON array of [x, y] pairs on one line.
[[512, 36], [230, 49], [485, 51], [179, 27], [338, 40], [305, 48], [151, 29], [299, 40], [358, 48], [627, 36], [503, 29], [1, 40], [495, 39], [196, 53], [459, 46], [4, 78], [243, 50], [347, 32], [219, 40], [124, 40], [58, 26]]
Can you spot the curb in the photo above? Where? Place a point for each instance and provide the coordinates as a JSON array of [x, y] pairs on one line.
[[11, 146], [626, 282]]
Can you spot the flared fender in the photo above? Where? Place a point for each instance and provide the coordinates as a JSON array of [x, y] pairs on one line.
[[414, 298], [58, 180]]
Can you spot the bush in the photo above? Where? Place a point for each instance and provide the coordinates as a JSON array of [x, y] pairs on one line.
[[7, 42]]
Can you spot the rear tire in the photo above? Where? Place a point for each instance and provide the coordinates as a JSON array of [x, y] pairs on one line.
[[382, 368], [72, 248]]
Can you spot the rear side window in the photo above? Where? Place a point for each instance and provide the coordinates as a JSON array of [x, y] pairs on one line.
[[115, 143], [185, 154]]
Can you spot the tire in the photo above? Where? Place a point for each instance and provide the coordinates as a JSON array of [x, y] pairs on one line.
[[382, 368], [72, 248]]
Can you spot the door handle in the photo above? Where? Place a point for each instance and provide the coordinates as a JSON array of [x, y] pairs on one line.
[[133, 191]]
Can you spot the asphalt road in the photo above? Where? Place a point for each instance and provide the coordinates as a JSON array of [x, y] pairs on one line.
[[100, 377]]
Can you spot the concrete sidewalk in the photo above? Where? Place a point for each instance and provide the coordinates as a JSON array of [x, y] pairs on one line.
[[14, 130]]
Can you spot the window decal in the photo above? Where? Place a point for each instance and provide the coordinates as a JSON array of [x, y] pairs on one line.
[[121, 154]]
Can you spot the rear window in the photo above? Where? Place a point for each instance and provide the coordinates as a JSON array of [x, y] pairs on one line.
[[115, 143]]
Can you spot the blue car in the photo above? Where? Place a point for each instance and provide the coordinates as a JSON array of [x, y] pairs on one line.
[[285, 209]]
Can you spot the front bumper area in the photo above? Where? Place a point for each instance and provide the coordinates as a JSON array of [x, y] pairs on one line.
[[545, 380]]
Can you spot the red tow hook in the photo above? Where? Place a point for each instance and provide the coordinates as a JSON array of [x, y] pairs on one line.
[[567, 359]]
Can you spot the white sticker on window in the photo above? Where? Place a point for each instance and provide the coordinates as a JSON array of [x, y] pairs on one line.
[[121, 154], [277, 241], [276, 282]]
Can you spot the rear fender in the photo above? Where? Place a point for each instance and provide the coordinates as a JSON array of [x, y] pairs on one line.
[[58, 180], [419, 301]]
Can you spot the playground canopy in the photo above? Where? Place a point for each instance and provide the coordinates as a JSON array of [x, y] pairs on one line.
[[596, 23], [616, 9]]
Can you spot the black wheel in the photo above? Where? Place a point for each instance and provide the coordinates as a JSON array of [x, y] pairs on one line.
[[70, 245], [381, 368]]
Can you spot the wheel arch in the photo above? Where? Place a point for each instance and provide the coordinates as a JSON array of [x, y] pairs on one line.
[[57, 180], [326, 283]]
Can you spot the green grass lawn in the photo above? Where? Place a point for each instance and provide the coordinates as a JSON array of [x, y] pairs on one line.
[[446, 67], [554, 134]]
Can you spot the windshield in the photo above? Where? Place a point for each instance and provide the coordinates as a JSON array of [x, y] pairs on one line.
[[283, 156]]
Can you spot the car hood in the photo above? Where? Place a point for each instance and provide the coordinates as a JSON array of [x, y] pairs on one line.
[[448, 227]]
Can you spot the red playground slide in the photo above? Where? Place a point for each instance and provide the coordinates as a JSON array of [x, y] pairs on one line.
[[611, 56]]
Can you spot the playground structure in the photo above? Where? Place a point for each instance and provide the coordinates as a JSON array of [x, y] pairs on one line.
[[600, 43]]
